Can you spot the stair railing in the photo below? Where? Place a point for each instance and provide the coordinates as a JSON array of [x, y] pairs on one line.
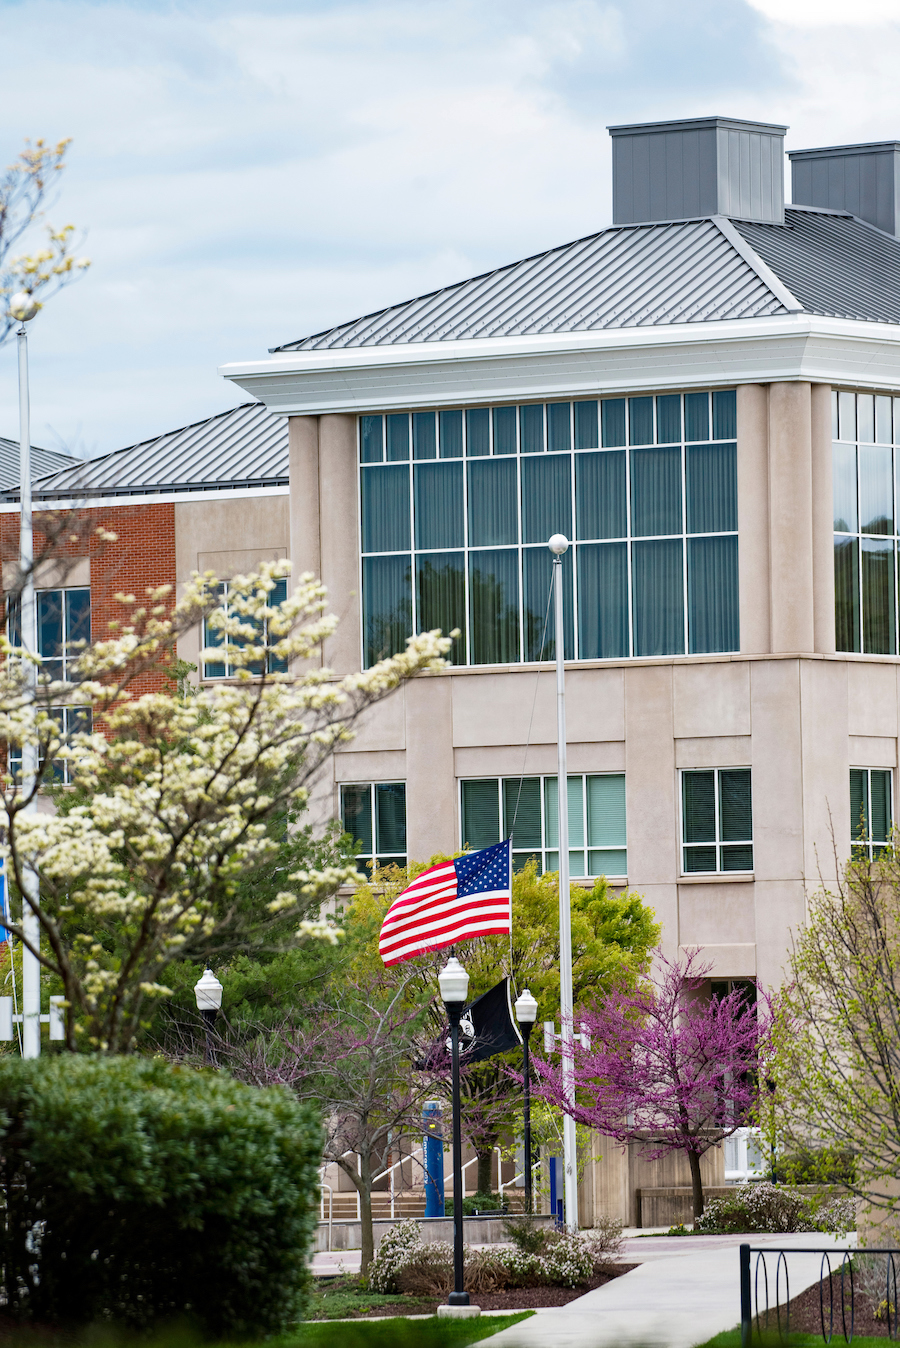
[[413, 1155]]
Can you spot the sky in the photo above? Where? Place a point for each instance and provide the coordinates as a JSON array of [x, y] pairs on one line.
[[244, 174]]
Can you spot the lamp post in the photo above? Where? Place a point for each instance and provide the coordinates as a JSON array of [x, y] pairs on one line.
[[559, 546], [526, 1009], [23, 308], [454, 985], [208, 991]]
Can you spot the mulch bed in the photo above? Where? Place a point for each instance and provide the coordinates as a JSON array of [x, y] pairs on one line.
[[806, 1318], [520, 1299]]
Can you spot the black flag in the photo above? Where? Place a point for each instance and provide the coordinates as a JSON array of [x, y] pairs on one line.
[[493, 1029]]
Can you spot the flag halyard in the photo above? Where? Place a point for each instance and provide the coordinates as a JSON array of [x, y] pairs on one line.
[[453, 901]]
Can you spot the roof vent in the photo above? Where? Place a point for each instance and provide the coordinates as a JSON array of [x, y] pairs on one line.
[[861, 179], [703, 166]]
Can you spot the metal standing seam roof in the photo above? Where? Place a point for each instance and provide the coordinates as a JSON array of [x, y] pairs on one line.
[[42, 461], [685, 271], [244, 447]]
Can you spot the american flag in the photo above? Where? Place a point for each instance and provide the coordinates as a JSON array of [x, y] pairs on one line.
[[454, 901]]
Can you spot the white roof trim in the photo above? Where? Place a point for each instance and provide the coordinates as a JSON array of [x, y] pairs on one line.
[[112, 499], [762, 269]]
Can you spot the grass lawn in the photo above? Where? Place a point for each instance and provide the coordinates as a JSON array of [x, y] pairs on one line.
[[343, 1297], [397, 1332], [732, 1339]]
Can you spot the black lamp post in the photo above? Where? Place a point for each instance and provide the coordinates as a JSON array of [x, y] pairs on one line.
[[208, 991], [454, 984], [526, 1009]]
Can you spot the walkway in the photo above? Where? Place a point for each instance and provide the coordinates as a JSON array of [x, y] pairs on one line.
[[685, 1291]]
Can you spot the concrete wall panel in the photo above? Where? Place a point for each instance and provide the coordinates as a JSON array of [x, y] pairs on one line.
[[711, 699], [338, 495], [777, 770], [716, 914], [714, 751], [507, 760], [753, 516], [872, 751], [822, 519], [872, 698], [790, 517], [430, 779], [729, 960], [823, 694], [382, 727], [780, 915], [388, 766]]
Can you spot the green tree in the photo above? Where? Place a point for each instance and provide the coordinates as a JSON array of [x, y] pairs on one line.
[[612, 936]]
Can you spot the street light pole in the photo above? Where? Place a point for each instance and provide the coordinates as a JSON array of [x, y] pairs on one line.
[[24, 308], [454, 985], [526, 1009], [208, 992], [559, 545]]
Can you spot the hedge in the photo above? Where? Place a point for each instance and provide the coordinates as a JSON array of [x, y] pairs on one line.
[[140, 1193]]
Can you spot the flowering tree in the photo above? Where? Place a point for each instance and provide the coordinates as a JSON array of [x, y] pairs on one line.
[[665, 1067], [24, 190], [355, 1060], [179, 791]]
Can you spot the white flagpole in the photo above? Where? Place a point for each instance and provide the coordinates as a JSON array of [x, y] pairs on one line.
[[31, 969], [559, 545]]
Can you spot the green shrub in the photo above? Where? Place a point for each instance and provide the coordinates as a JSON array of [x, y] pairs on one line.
[[476, 1203], [757, 1205], [138, 1193]]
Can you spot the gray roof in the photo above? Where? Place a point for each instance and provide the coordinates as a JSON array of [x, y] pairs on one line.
[[42, 461], [244, 447], [687, 271]]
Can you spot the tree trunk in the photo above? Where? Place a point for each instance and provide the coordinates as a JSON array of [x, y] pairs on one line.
[[696, 1182], [362, 1182], [485, 1163]]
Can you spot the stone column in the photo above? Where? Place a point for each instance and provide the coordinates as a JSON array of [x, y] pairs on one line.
[[339, 537], [431, 799], [790, 517], [753, 516], [650, 794], [822, 519]]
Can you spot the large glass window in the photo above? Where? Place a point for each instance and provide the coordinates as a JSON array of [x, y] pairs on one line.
[[71, 721], [374, 814], [871, 810], [716, 820], [527, 809], [457, 507], [212, 637], [866, 465]]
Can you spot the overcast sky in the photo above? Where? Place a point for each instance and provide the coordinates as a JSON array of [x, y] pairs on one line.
[[248, 173]]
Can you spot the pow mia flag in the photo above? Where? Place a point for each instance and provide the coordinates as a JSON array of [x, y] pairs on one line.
[[487, 1026]]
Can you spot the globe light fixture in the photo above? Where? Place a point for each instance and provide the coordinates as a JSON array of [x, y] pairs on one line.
[[558, 544], [23, 306], [526, 1009], [208, 993], [453, 982]]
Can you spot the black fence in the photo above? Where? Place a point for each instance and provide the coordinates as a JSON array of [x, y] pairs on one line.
[[766, 1291]]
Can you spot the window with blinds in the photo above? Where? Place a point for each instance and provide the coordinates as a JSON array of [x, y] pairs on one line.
[[717, 820], [526, 809], [213, 637], [374, 814], [871, 810], [456, 508]]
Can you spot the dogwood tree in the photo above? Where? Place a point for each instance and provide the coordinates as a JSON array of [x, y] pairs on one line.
[[178, 792]]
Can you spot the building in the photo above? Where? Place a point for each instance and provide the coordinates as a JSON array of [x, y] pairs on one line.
[[701, 397]]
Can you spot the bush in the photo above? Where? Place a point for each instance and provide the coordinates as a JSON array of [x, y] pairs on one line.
[[137, 1192], [604, 1241], [568, 1262], [391, 1254], [760, 1206], [426, 1270], [526, 1235], [476, 1203]]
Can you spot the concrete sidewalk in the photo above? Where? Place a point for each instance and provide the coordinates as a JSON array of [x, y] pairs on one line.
[[685, 1291]]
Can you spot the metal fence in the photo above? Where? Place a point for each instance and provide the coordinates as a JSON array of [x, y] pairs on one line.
[[766, 1291]]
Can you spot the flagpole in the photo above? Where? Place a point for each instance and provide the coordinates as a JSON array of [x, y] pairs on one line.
[[559, 545]]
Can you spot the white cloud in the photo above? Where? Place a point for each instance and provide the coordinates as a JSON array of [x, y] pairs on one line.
[[829, 13]]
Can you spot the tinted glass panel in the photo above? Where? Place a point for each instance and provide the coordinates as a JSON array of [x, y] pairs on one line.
[[876, 492], [522, 811], [883, 420], [546, 498], [711, 472], [494, 607], [559, 426], [603, 601], [725, 414], [478, 432], [385, 509], [356, 812], [424, 435], [531, 428], [612, 421], [859, 827], [492, 502], [387, 605], [668, 418], [504, 430], [699, 806], [735, 814], [600, 497], [656, 491], [878, 578], [698, 859], [451, 435], [78, 611], [441, 597], [865, 418], [50, 630], [390, 816], [696, 416], [540, 614], [606, 810], [846, 593], [658, 597], [640, 416], [481, 813], [439, 505], [713, 607], [398, 437], [847, 415], [844, 470], [587, 430], [737, 858], [371, 436], [880, 792]]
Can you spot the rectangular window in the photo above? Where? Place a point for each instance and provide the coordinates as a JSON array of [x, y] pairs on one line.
[[716, 820], [871, 810], [212, 637], [644, 487], [866, 469], [71, 721], [63, 620], [374, 814], [526, 809]]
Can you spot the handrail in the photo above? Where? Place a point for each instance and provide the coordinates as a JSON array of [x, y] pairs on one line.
[[323, 1185], [390, 1171]]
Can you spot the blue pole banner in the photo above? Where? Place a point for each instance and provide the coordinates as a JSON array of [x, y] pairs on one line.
[[434, 1159]]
